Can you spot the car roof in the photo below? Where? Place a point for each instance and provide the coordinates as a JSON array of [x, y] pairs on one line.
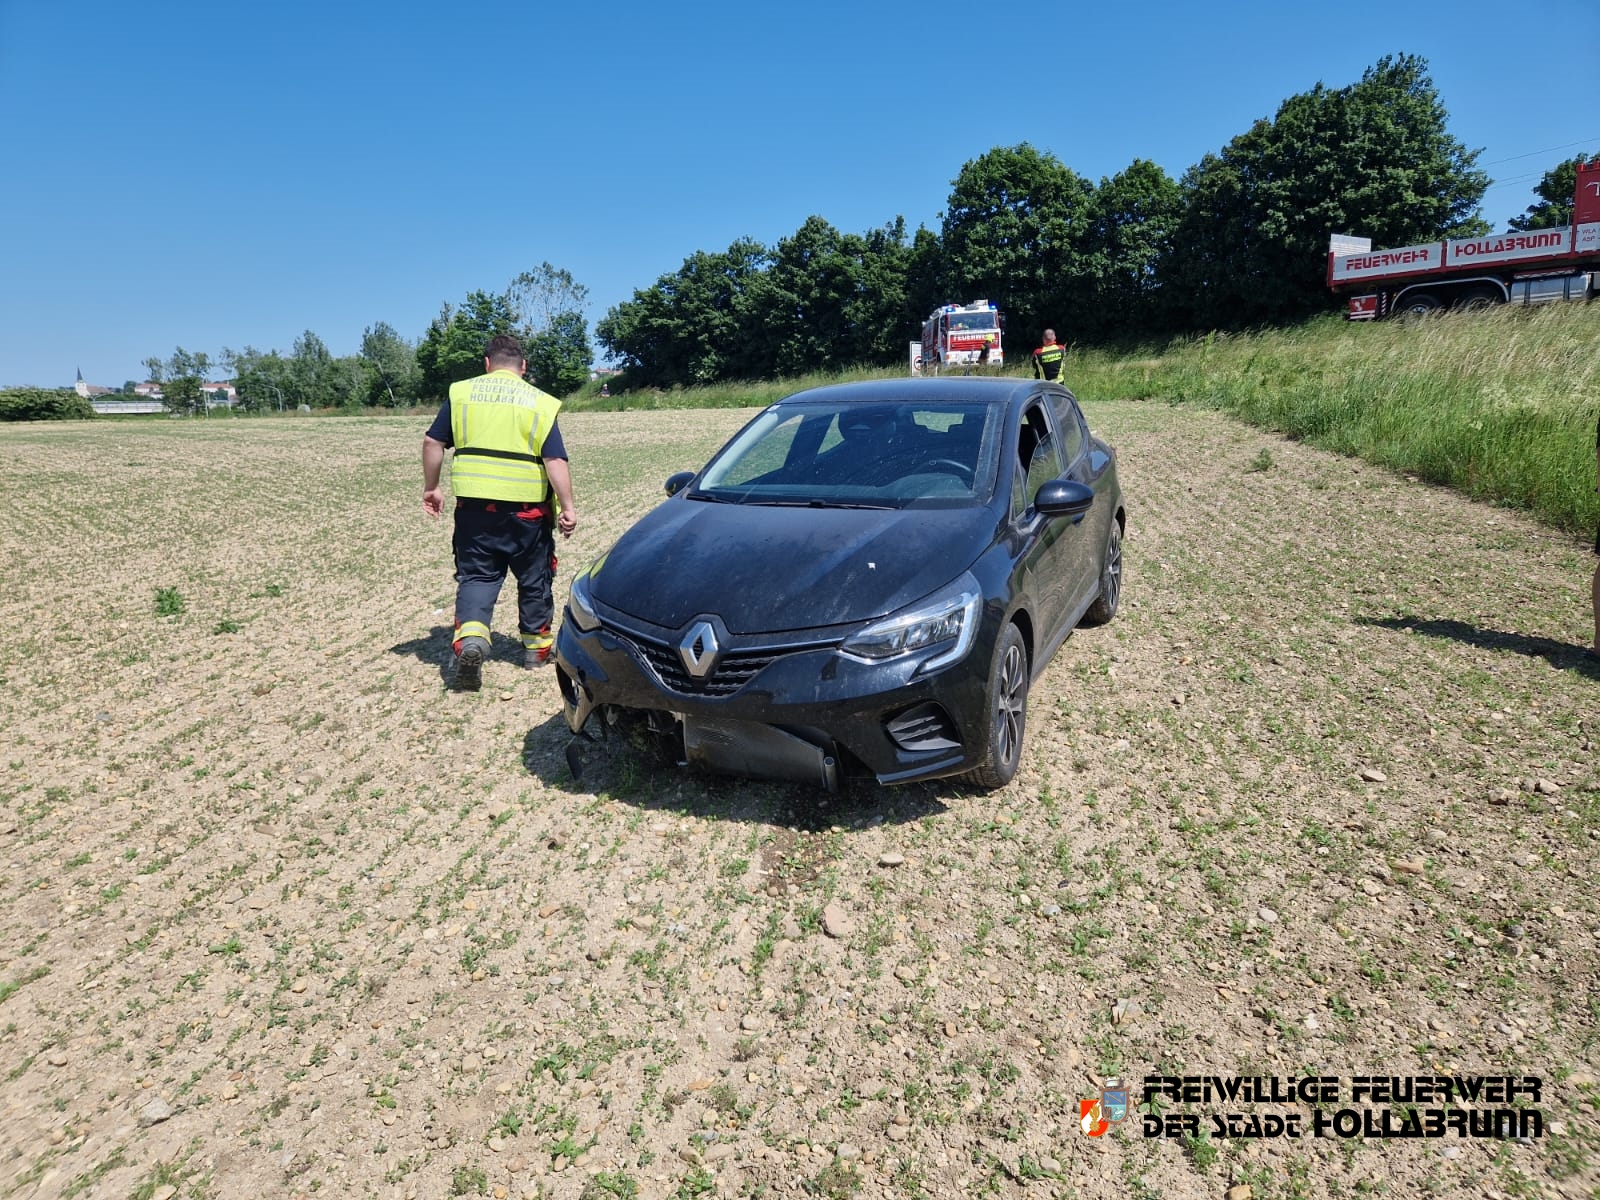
[[942, 390]]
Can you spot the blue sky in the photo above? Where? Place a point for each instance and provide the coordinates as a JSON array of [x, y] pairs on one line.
[[209, 175]]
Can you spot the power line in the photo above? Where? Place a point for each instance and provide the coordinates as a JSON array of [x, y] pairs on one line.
[[1535, 153], [1515, 179]]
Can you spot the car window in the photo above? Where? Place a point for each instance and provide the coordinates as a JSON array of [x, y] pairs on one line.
[[891, 454], [767, 455], [1038, 452], [1069, 424]]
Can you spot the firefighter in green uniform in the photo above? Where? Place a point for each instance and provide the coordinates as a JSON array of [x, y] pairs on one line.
[[509, 459], [1048, 357]]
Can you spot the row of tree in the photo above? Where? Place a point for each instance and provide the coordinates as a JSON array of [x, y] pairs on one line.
[[1240, 240], [543, 308]]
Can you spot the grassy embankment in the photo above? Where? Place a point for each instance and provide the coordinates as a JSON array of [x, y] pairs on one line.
[[1500, 405]]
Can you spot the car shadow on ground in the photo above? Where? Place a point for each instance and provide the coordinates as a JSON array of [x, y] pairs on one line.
[[438, 648], [636, 775], [1564, 656]]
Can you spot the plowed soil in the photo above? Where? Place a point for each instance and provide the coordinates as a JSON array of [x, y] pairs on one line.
[[282, 916]]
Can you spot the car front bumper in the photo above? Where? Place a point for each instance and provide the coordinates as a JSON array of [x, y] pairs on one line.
[[799, 711]]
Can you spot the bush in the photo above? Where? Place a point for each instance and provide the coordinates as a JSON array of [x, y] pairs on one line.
[[43, 404]]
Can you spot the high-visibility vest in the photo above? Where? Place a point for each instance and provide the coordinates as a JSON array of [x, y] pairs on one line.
[[498, 423], [1047, 361]]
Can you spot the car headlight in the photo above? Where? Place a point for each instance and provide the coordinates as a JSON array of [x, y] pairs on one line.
[[947, 618], [580, 605]]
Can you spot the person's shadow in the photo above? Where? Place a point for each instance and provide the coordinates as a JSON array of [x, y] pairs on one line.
[[1563, 656], [438, 648]]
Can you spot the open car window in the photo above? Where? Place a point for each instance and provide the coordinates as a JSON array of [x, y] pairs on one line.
[[886, 454], [1038, 458]]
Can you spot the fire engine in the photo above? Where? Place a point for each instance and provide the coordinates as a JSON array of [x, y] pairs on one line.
[[1528, 267], [958, 335]]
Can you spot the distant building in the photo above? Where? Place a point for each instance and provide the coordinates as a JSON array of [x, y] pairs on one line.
[[147, 397], [88, 390], [125, 406]]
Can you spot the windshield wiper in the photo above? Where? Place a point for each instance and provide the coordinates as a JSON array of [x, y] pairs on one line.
[[711, 498], [815, 503]]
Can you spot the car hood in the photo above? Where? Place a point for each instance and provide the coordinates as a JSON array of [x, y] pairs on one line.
[[766, 569]]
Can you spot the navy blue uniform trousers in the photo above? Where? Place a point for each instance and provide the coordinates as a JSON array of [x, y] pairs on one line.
[[492, 537]]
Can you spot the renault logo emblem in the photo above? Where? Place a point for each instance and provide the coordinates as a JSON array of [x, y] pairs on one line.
[[699, 649]]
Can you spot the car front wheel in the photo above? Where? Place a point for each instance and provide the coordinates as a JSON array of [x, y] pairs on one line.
[[1008, 711], [1105, 605]]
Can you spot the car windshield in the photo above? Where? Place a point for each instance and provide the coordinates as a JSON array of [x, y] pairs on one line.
[[973, 322], [855, 454]]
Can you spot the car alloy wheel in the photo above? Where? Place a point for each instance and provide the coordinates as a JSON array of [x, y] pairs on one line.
[[1008, 711], [1105, 605]]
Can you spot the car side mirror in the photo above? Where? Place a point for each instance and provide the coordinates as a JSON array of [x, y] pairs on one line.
[[676, 483], [1063, 498]]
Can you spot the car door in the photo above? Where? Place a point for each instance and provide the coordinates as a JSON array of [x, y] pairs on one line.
[[1089, 535], [1047, 548]]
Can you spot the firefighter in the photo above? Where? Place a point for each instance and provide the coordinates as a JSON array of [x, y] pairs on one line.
[[509, 458], [1048, 357]]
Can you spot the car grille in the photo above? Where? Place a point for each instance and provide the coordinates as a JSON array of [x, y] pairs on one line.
[[733, 669]]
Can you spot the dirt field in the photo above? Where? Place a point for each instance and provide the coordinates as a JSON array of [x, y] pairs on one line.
[[280, 916]]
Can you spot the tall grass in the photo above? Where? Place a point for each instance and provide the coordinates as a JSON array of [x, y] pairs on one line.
[[1501, 405], [740, 394]]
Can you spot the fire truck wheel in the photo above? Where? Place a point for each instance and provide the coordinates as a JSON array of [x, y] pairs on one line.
[[1476, 300], [1421, 304]]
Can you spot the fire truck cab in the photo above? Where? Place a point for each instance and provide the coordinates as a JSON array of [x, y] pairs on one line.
[[964, 335]]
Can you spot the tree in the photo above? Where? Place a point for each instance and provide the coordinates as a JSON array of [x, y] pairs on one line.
[[260, 379], [1129, 231], [181, 377], [558, 357], [795, 314], [926, 284], [1555, 192], [880, 314], [44, 404], [1010, 234], [826, 300], [311, 378], [391, 367], [452, 348], [686, 327], [539, 296], [1373, 158], [547, 310]]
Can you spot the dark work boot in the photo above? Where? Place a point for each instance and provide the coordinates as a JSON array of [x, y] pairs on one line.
[[469, 664]]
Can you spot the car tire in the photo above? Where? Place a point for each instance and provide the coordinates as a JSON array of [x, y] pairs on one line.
[[1007, 700], [1105, 604]]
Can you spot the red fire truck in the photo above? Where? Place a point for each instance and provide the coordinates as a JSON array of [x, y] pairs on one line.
[[1531, 267], [958, 335]]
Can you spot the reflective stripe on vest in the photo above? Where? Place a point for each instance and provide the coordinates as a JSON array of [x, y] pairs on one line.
[[498, 423], [1047, 360]]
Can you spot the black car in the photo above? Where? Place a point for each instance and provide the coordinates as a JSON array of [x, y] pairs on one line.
[[866, 579]]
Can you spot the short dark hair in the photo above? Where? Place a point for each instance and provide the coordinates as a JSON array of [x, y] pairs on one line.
[[503, 348]]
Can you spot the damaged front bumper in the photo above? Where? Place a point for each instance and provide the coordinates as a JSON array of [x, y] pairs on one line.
[[803, 714]]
